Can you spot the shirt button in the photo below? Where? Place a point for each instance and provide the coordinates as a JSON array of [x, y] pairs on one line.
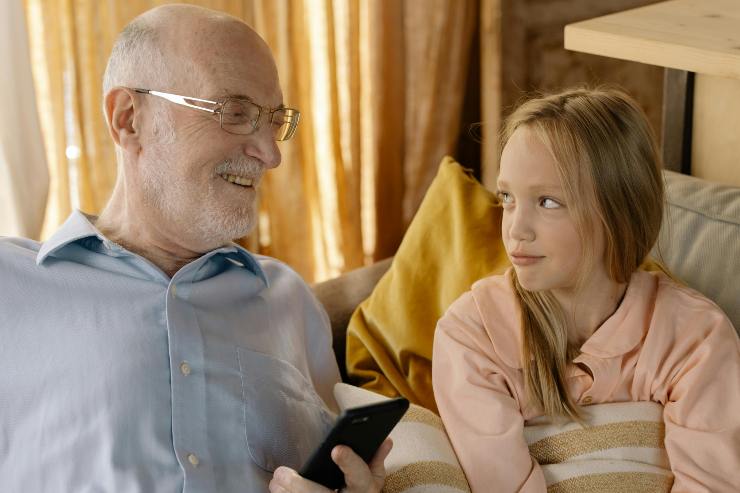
[[587, 399], [193, 459], [185, 368]]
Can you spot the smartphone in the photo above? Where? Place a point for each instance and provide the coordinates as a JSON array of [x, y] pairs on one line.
[[362, 429]]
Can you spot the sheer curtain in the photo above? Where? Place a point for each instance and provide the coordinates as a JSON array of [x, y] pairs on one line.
[[24, 177], [379, 83]]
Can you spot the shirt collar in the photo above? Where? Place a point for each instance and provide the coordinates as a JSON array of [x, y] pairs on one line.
[[618, 335], [624, 330], [240, 255], [80, 225], [77, 226]]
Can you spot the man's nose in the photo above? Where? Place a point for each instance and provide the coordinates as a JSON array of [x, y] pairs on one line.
[[261, 145]]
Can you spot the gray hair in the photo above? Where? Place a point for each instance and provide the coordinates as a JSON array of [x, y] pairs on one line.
[[136, 59]]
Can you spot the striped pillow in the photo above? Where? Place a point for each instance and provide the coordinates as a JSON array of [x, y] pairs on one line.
[[621, 449], [422, 459]]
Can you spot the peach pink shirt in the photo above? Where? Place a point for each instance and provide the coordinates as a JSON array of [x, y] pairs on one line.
[[665, 343]]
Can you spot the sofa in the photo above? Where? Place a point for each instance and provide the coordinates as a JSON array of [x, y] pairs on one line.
[[699, 243]]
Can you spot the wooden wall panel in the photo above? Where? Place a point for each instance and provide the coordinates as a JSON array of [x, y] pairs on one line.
[[522, 51]]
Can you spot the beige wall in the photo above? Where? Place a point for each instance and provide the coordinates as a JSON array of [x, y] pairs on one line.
[[715, 146]]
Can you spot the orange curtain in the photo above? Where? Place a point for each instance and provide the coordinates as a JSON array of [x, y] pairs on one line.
[[380, 84]]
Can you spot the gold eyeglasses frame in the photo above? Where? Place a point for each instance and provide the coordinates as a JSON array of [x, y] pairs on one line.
[[291, 116]]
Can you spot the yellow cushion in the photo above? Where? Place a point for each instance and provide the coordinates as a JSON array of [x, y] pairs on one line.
[[454, 240]]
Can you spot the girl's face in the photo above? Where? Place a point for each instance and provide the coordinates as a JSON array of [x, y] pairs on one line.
[[538, 230]]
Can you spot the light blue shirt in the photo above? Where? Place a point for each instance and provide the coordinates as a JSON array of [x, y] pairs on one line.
[[116, 378]]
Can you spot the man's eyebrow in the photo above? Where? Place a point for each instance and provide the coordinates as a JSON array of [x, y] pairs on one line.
[[249, 98], [238, 96]]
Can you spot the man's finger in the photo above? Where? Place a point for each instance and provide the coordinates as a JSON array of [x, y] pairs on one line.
[[377, 464], [356, 471], [286, 480]]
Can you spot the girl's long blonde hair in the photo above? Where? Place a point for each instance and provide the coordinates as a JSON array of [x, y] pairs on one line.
[[610, 170]]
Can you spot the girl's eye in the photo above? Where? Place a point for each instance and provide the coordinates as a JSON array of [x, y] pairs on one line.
[[549, 203], [505, 198]]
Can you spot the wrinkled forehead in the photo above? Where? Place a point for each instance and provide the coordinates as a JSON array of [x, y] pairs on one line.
[[243, 77], [228, 59]]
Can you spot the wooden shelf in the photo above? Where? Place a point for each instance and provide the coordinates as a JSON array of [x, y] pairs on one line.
[[700, 36]]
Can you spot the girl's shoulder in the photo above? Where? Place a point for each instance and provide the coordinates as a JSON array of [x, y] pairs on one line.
[[488, 312], [683, 316], [494, 297], [678, 301]]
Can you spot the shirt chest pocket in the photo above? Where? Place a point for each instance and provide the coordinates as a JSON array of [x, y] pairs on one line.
[[284, 418]]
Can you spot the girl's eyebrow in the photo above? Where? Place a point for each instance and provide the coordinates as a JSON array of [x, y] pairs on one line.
[[547, 189], [535, 187]]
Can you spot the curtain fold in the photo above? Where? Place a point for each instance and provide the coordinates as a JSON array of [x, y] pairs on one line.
[[24, 177], [438, 34], [379, 84]]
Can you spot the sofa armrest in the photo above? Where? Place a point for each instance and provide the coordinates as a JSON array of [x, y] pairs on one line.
[[341, 295]]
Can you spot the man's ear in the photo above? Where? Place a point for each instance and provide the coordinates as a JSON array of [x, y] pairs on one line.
[[121, 114]]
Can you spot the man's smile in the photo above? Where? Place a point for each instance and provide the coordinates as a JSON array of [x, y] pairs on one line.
[[238, 180]]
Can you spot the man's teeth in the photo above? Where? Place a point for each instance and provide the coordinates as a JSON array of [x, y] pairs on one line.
[[239, 180]]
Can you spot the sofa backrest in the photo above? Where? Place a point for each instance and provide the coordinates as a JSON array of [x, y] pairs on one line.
[[700, 239]]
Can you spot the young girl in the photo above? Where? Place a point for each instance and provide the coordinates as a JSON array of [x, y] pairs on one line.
[[574, 322]]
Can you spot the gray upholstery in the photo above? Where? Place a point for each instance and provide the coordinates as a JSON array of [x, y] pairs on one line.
[[700, 239]]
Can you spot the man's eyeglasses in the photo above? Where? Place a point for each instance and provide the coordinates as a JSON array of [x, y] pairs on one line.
[[239, 116]]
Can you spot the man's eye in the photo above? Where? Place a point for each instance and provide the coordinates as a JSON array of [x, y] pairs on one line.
[[549, 203], [239, 113]]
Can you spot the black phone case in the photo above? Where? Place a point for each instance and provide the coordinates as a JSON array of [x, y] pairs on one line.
[[362, 429]]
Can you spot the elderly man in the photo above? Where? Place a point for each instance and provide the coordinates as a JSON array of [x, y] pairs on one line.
[[143, 350]]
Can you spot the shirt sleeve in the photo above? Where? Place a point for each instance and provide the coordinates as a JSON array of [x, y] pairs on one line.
[[479, 411], [702, 410]]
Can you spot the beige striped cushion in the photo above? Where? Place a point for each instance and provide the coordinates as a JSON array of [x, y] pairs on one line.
[[619, 450], [422, 459]]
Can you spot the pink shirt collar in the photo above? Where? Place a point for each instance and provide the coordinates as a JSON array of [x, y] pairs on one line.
[[618, 335]]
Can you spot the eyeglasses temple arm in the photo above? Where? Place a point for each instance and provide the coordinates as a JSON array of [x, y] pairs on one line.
[[181, 100]]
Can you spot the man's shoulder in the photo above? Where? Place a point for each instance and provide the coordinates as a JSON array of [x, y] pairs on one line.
[[278, 273], [13, 249], [286, 283], [274, 267]]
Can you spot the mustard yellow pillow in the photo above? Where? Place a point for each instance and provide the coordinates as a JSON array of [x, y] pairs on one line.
[[454, 240]]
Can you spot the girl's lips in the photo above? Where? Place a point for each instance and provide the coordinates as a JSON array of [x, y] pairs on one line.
[[524, 260]]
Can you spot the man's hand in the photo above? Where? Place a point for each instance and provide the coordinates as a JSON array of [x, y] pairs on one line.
[[359, 477]]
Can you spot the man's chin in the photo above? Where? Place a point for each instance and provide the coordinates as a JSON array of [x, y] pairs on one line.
[[243, 232], [217, 229]]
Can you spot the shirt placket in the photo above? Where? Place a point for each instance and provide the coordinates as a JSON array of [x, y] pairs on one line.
[[605, 376], [187, 370]]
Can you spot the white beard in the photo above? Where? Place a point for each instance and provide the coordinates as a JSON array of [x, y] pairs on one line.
[[187, 209]]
